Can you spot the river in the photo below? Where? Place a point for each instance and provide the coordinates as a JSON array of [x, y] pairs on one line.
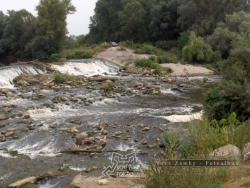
[[36, 151]]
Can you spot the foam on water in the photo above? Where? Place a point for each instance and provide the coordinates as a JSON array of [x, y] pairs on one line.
[[42, 147], [5, 154], [182, 118], [11, 101], [5, 176], [87, 67], [48, 184], [167, 91], [78, 169]]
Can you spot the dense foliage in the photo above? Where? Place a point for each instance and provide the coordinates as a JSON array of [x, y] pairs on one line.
[[27, 36]]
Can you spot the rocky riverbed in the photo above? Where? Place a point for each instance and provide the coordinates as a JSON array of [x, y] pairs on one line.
[[114, 111]]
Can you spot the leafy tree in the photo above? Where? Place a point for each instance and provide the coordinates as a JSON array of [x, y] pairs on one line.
[[2, 23], [235, 25], [163, 18], [201, 16], [197, 50], [52, 16], [18, 31], [130, 17], [135, 20], [104, 25], [233, 95]]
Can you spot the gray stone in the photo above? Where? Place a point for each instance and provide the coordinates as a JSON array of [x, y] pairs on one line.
[[226, 152]]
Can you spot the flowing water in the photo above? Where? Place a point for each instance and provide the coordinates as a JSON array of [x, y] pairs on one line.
[[37, 151]]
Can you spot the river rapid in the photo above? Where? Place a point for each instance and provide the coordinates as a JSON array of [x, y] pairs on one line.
[[36, 150]]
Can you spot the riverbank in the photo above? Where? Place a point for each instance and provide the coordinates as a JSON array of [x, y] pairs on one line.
[[126, 57]]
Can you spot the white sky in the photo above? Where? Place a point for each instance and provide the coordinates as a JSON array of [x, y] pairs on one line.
[[78, 22]]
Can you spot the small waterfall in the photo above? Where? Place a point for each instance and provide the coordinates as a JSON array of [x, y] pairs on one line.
[[87, 67], [7, 74]]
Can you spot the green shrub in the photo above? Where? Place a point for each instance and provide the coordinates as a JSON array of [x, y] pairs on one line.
[[144, 63], [169, 71], [108, 86], [145, 49], [206, 136], [166, 45], [197, 50], [183, 39], [242, 134], [55, 56], [82, 55], [171, 142], [157, 69], [58, 77], [130, 44], [90, 133], [166, 59]]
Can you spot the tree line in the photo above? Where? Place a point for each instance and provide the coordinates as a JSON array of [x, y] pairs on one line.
[[25, 36]]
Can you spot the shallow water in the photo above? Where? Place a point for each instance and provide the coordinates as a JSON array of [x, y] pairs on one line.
[[38, 149]]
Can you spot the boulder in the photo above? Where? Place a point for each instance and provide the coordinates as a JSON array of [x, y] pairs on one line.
[[7, 109], [138, 84], [102, 182], [69, 130], [62, 59], [247, 157], [23, 182], [3, 117], [226, 152], [90, 140], [246, 148], [102, 142], [81, 137], [9, 94]]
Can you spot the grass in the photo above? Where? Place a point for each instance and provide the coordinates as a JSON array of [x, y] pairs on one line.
[[108, 86], [60, 78], [171, 142], [181, 177], [82, 52], [150, 62]]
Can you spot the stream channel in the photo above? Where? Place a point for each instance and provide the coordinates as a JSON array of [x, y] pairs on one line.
[[36, 151]]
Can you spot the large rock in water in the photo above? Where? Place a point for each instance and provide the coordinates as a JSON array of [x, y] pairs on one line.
[[23, 182], [81, 137], [226, 152], [3, 117]]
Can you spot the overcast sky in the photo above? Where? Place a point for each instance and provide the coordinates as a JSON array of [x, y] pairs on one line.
[[78, 23]]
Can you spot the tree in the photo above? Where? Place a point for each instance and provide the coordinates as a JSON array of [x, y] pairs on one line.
[[202, 16], [104, 25], [235, 25], [233, 95], [2, 23], [163, 19], [197, 50], [52, 25], [130, 17], [18, 31]]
